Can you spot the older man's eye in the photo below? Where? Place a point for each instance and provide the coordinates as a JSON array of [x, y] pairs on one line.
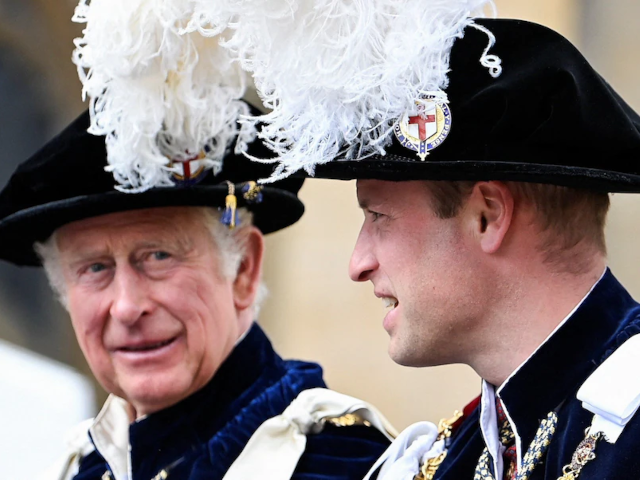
[[160, 255], [96, 267], [93, 271]]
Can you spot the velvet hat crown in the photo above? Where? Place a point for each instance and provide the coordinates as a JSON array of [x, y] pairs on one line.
[[66, 181]]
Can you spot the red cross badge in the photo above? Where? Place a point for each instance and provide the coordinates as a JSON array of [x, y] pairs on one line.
[[425, 130], [190, 170]]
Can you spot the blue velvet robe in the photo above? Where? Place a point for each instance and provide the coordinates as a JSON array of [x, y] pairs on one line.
[[549, 380], [200, 437]]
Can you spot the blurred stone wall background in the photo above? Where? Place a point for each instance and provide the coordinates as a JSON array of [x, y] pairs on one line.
[[39, 94], [314, 311]]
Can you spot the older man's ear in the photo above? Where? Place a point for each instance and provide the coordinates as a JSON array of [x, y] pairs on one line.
[[245, 286]]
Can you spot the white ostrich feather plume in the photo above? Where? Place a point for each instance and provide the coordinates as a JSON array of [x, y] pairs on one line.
[[156, 93], [338, 73]]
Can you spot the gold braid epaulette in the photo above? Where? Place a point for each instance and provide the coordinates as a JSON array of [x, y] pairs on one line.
[[445, 429]]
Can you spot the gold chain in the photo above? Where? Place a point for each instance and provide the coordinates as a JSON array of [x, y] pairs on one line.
[[431, 465], [583, 455]]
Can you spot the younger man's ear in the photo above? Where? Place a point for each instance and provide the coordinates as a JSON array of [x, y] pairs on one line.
[[491, 209], [245, 286]]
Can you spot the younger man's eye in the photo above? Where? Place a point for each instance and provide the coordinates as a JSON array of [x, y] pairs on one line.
[[375, 215]]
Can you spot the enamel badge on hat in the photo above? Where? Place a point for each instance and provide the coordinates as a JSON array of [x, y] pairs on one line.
[[426, 129]]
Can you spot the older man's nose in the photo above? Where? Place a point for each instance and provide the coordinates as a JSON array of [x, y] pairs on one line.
[[363, 262], [131, 300]]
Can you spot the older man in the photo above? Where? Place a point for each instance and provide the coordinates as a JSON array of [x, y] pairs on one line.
[[484, 151], [162, 296]]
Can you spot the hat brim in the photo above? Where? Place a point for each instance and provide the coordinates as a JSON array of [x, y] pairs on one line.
[[278, 209], [395, 168]]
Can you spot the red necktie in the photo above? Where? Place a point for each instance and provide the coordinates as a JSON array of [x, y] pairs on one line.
[[507, 438]]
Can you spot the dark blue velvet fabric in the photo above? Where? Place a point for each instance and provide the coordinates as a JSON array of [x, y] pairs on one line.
[[550, 379], [202, 435]]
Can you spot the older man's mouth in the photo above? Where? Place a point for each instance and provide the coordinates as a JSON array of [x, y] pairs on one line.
[[142, 354], [147, 346], [146, 350]]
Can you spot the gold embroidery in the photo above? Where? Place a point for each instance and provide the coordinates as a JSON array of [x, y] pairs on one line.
[[348, 420], [161, 476], [251, 190]]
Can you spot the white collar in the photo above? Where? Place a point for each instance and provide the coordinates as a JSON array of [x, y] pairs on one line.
[[110, 435], [489, 427]]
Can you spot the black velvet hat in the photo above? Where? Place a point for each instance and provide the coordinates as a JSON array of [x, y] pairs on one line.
[[66, 181], [547, 118]]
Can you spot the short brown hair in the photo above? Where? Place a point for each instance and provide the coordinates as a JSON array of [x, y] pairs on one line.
[[569, 216]]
